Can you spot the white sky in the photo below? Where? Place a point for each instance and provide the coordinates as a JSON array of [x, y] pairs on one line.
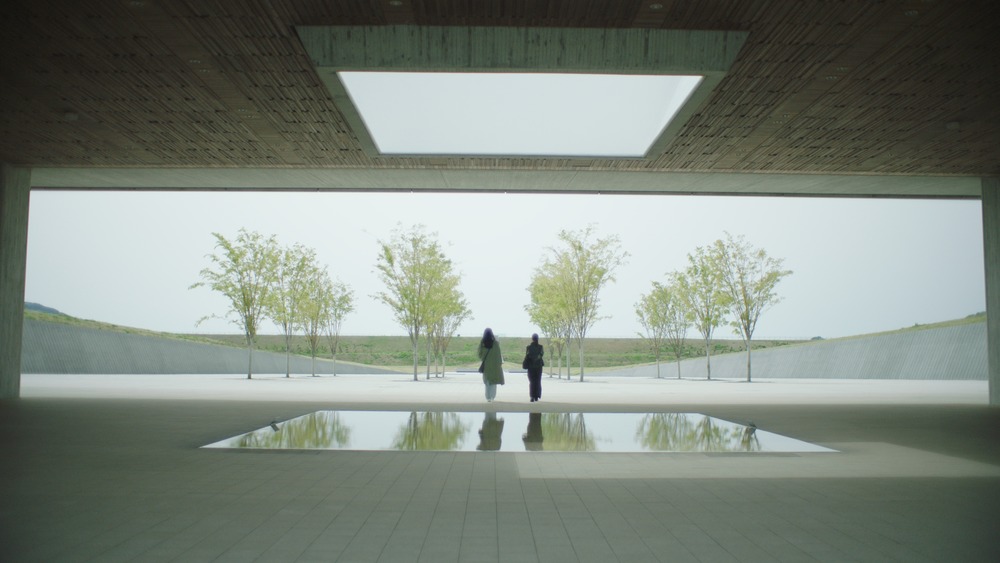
[[516, 113], [861, 265]]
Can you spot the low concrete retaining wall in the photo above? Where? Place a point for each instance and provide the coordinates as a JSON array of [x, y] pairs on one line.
[[58, 348], [951, 353]]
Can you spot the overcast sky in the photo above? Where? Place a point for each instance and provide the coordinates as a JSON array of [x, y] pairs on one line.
[[524, 114], [860, 265]]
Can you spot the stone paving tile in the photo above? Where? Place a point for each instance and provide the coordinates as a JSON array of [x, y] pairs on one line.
[[124, 480]]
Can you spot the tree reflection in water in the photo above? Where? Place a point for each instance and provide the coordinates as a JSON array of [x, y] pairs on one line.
[[470, 431], [318, 430], [685, 432], [431, 431], [567, 432]]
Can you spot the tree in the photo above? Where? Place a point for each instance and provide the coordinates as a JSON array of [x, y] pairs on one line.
[[549, 310], [447, 326], [678, 320], [339, 302], [701, 288], [661, 314], [443, 300], [296, 267], [583, 269], [749, 277], [411, 266], [243, 272], [322, 311], [312, 311]]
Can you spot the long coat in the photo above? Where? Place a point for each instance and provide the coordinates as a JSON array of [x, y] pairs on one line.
[[534, 352], [493, 369]]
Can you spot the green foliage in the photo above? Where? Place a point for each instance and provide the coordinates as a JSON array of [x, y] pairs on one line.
[[244, 271], [421, 286], [565, 288], [664, 315], [748, 277]]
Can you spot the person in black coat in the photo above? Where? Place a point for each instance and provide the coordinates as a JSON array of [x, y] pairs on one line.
[[533, 362]]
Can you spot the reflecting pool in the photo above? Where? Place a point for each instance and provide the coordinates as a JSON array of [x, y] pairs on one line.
[[513, 432]]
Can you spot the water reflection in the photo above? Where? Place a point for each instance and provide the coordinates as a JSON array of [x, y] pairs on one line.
[[565, 432], [681, 432], [322, 430], [431, 431], [490, 433], [533, 435]]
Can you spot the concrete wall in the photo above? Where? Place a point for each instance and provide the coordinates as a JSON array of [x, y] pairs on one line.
[[57, 348], [14, 196], [991, 259], [952, 353]]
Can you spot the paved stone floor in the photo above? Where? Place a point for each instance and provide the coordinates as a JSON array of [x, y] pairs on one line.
[[109, 469]]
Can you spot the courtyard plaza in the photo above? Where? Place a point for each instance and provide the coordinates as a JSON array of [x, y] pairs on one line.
[[113, 468]]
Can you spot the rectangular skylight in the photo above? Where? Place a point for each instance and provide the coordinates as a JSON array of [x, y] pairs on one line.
[[516, 114]]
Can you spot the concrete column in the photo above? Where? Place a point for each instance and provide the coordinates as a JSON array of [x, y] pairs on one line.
[[14, 187], [991, 252]]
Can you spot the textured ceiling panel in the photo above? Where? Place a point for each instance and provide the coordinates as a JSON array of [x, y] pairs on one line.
[[819, 87]]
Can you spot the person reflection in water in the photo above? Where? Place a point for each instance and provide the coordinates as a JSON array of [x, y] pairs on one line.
[[533, 437], [489, 434]]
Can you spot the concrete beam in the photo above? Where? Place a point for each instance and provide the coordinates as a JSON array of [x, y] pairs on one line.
[[503, 181]]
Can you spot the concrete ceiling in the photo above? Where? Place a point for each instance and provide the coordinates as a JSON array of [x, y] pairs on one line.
[[854, 97]]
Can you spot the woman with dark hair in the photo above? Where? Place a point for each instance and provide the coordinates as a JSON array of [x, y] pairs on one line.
[[492, 366], [533, 363]]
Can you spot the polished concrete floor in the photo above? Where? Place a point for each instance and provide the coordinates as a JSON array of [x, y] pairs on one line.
[[119, 475]]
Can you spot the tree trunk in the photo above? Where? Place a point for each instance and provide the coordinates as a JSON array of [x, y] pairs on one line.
[[567, 360], [249, 361], [334, 344], [249, 358], [427, 358], [416, 358], [748, 360], [288, 354], [657, 364], [708, 359], [580, 350]]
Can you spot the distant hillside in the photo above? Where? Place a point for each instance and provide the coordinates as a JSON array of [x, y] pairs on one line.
[[42, 309]]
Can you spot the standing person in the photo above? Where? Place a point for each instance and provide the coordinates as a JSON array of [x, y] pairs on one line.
[[533, 363], [492, 366]]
